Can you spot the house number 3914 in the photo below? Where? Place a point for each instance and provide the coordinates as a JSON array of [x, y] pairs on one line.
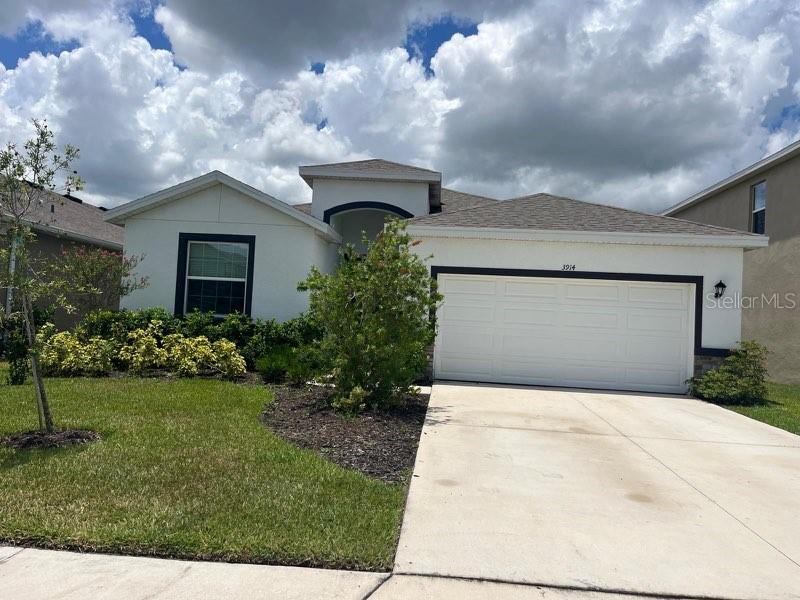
[[567, 267]]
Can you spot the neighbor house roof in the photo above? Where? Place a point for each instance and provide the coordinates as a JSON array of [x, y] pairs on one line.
[[70, 217], [548, 213], [787, 153], [125, 211], [371, 169]]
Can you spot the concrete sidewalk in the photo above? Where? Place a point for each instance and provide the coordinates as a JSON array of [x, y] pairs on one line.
[[30, 574]]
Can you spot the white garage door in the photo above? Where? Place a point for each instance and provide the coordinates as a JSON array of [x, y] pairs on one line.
[[624, 335]]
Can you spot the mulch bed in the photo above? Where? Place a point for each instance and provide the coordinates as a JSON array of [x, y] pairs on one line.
[[64, 438], [380, 444]]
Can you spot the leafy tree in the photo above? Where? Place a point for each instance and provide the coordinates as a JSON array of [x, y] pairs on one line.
[[27, 177], [376, 312], [98, 277]]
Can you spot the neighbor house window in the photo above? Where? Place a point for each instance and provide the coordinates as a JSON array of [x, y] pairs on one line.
[[759, 207], [215, 274]]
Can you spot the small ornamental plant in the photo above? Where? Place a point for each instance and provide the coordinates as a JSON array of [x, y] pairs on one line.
[[741, 379], [377, 315]]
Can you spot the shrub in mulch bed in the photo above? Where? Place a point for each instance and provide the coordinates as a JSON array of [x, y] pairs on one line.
[[380, 444], [64, 438]]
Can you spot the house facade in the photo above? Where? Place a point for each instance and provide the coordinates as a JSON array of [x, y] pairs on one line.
[[537, 290], [763, 199]]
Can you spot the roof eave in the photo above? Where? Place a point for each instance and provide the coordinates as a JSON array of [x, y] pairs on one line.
[[309, 174], [77, 237], [601, 237], [121, 213], [787, 153]]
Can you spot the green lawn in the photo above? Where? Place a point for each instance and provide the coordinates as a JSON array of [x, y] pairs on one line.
[[782, 410], [186, 469]]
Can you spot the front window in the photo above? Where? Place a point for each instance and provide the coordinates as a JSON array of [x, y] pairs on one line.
[[216, 277], [759, 207]]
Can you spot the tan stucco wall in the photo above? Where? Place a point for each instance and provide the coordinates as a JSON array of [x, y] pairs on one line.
[[775, 272], [767, 271]]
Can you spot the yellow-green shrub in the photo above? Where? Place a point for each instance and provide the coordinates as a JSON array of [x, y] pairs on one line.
[[189, 356], [147, 349], [65, 354], [142, 352], [227, 360]]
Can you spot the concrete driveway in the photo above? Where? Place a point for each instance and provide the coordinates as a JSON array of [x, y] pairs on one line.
[[585, 490]]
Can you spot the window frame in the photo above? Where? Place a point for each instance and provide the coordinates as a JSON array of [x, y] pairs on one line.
[[754, 210], [184, 239]]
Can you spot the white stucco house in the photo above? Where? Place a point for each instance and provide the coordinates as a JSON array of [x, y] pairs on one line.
[[538, 290]]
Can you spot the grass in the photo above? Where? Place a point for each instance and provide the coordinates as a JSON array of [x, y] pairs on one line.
[[185, 469], [782, 409]]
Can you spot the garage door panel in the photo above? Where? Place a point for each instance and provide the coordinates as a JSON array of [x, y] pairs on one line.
[[653, 378], [525, 316], [564, 332], [591, 319], [469, 313], [671, 323], [658, 295], [555, 347], [592, 291], [655, 351], [530, 289], [469, 286], [467, 368]]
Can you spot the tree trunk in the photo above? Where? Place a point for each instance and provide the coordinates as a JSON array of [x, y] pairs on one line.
[[45, 416]]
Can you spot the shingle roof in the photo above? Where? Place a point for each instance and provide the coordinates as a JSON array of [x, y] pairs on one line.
[[547, 212], [71, 217], [304, 207], [370, 169], [454, 200], [374, 165]]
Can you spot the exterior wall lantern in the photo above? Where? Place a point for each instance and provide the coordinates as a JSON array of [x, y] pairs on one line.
[[719, 289]]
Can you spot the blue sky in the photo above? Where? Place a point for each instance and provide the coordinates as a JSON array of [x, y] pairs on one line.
[[33, 38]]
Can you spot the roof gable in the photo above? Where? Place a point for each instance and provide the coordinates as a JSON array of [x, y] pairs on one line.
[[122, 213]]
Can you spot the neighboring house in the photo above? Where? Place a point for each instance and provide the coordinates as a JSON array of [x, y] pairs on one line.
[[61, 221], [537, 290], [763, 198]]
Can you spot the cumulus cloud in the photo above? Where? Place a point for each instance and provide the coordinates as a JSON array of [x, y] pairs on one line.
[[636, 104]]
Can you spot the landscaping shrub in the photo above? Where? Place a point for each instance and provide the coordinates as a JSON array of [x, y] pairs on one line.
[[307, 364], [252, 338], [227, 360], [142, 352], [65, 354], [376, 314], [117, 324], [274, 365], [149, 349], [188, 356], [741, 379]]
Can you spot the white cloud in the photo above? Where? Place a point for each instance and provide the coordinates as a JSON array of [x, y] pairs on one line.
[[637, 104]]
